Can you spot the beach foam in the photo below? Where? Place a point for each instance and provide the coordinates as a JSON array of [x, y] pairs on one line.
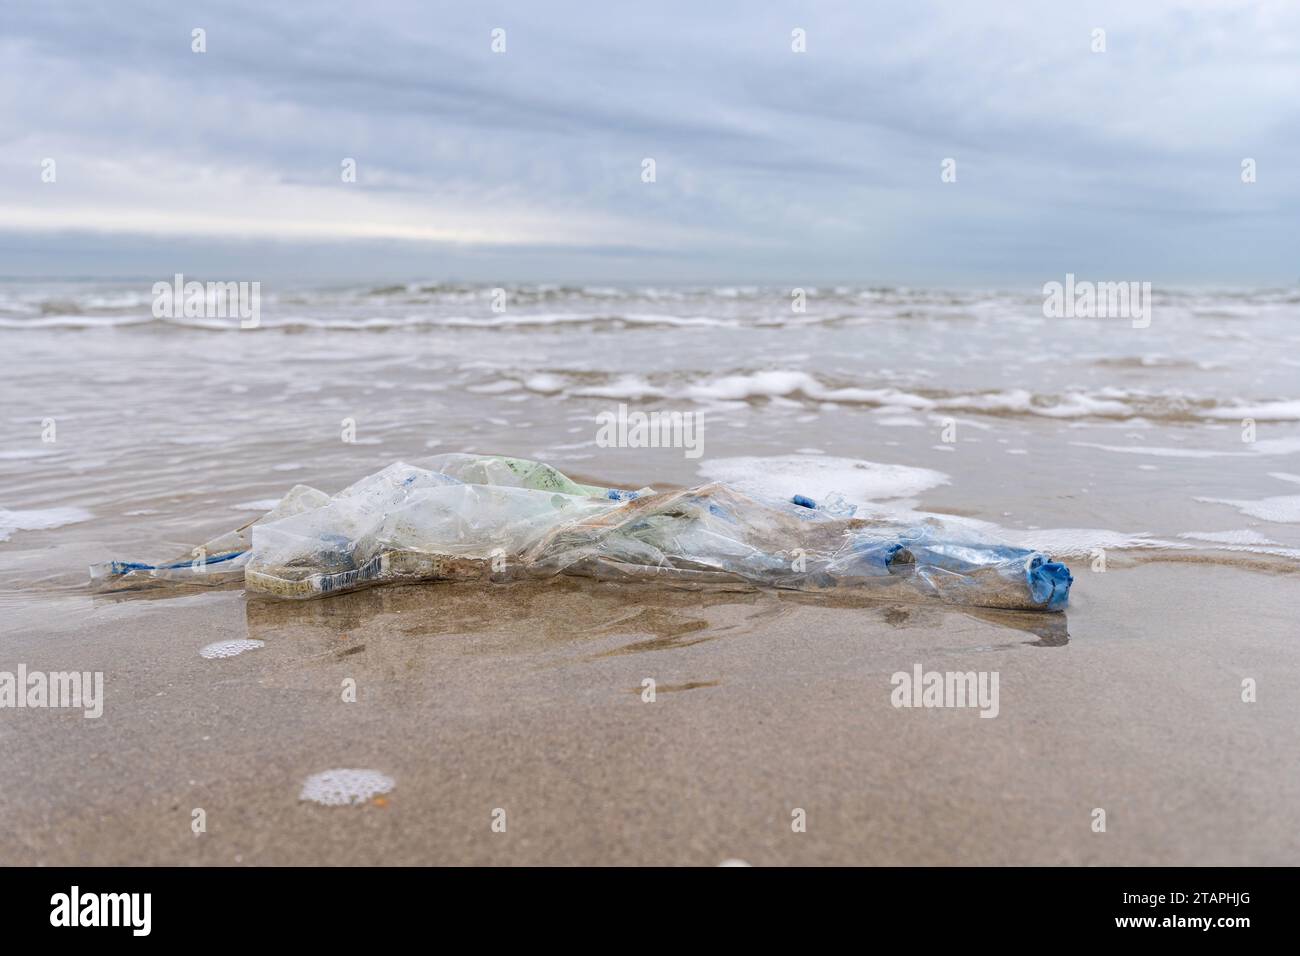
[[815, 476], [220, 650], [1076, 542], [793, 386], [1243, 537], [1266, 411], [1283, 509], [39, 519], [345, 787]]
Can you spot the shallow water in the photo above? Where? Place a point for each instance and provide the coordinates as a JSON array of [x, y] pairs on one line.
[[1072, 435]]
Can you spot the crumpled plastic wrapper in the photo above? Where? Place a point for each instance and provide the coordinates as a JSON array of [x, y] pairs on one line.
[[487, 518]]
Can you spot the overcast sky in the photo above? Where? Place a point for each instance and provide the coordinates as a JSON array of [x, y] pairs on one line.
[[770, 164]]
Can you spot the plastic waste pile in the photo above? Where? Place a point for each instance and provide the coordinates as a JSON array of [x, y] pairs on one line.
[[468, 517]]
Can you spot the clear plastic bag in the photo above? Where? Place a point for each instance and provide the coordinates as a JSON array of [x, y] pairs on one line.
[[713, 534], [467, 517], [220, 561]]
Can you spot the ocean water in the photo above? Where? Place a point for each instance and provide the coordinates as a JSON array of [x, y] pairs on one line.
[[127, 436]]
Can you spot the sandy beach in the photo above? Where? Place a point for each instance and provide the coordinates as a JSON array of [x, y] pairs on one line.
[[528, 698]]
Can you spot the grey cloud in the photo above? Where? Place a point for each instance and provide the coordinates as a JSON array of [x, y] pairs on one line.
[[824, 164]]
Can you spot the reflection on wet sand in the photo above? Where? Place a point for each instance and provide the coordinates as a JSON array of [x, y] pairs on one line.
[[158, 592], [523, 618], [594, 618], [1051, 630]]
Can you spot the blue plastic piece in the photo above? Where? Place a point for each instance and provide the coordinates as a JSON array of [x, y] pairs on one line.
[[1049, 582], [122, 567]]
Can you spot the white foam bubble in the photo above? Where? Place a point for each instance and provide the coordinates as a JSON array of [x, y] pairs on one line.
[[345, 787], [628, 387], [545, 383], [1243, 537], [223, 649], [1266, 411], [1018, 400], [778, 383], [1078, 405], [40, 519], [1067, 542], [815, 476], [786, 383], [1283, 509]]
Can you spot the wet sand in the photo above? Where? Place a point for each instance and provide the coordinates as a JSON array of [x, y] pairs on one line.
[[528, 698]]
